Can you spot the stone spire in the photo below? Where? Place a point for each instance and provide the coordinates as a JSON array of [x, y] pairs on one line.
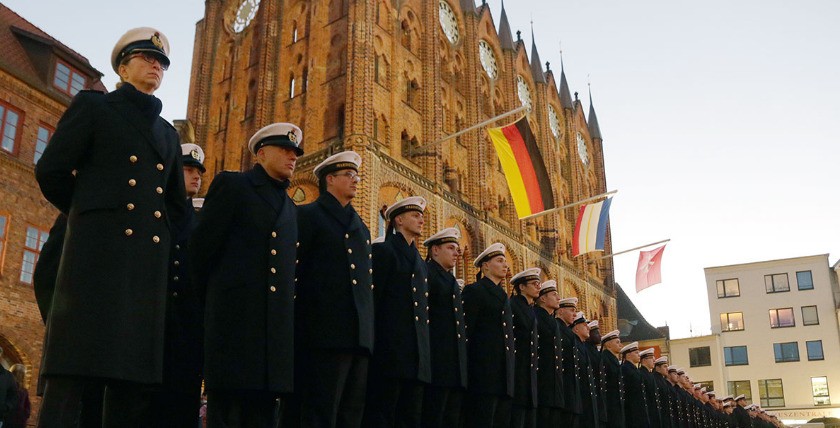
[[536, 64], [468, 6], [592, 120], [565, 94], [505, 36]]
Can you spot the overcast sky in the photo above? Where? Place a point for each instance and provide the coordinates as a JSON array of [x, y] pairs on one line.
[[718, 117]]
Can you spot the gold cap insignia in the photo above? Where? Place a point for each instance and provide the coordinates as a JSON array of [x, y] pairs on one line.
[[156, 41], [195, 155], [292, 136]]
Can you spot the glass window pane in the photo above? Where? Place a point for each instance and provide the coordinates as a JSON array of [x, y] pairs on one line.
[[815, 350], [819, 386], [3, 221], [31, 237], [28, 266], [768, 283], [786, 317], [810, 316], [732, 287], [77, 84], [62, 76], [10, 130], [720, 288], [804, 280]]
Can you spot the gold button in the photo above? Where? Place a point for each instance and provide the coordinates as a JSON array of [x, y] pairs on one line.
[[177, 247], [456, 309], [354, 282], [346, 236], [177, 263], [175, 278], [273, 234], [159, 167], [133, 159], [367, 242], [349, 251], [273, 288], [412, 275], [415, 304], [459, 335], [371, 286], [155, 239], [352, 266], [128, 232], [426, 294], [130, 206], [427, 321], [370, 271], [414, 289], [273, 270], [457, 322], [416, 318], [157, 214], [273, 252], [174, 294], [132, 182], [370, 256], [159, 190], [297, 244]]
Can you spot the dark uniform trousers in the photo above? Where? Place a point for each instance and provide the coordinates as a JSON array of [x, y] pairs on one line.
[[401, 365], [242, 258], [523, 409], [110, 153], [550, 400], [635, 404], [334, 314], [571, 376], [442, 399], [489, 319], [612, 388]]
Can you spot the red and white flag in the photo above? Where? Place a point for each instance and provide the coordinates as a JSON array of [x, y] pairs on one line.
[[649, 271]]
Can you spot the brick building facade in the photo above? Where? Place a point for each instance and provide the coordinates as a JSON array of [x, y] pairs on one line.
[[385, 78], [38, 77]]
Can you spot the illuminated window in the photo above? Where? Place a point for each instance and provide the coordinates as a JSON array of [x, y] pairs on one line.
[[819, 387], [782, 317], [738, 387], [771, 393], [732, 321]]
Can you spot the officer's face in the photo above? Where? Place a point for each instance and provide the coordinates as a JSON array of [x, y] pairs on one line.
[[648, 362], [143, 75], [531, 289], [613, 345], [192, 180], [582, 331], [343, 183], [633, 357], [567, 314], [661, 369], [446, 254], [550, 300], [278, 161], [410, 222], [497, 266]]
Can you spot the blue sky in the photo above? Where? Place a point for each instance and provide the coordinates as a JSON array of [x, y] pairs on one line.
[[718, 117]]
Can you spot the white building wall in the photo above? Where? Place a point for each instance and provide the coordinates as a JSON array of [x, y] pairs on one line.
[[758, 336]]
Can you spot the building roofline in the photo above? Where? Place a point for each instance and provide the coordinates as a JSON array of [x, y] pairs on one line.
[[710, 268]]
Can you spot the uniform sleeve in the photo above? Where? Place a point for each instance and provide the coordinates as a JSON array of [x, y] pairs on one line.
[[468, 299], [66, 149], [217, 216], [176, 192], [382, 265]]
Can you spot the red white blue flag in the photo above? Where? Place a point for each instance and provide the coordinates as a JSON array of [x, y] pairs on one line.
[[591, 227]]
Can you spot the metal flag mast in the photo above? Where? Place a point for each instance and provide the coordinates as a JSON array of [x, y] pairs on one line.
[[573, 204], [465, 130], [607, 256]]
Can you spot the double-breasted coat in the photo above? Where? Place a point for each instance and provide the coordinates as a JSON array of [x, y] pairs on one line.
[[635, 401], [447, 329], [490, 349], [526, 340], [571, 369], [667, 400], [588, 387], [334, 278], [46, 268], [243, 260], [114, 167], [655, 404], [550, 374], [612, 388], [400, 293], [594, 355], [183, 356]]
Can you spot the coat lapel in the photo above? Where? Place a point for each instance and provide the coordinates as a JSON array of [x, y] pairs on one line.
[[268, 192], [132, 116]]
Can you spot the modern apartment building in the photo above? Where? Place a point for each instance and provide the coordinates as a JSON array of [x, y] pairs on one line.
[[775, 336]]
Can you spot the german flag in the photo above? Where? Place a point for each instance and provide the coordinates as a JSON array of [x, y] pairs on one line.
[[524, 167]]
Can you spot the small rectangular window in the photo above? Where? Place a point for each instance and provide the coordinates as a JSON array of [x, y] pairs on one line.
[[728, 288], [776, 283], [700, 357], [782, 317], [732, 321], [4, 232], [41, 141], [771, 392], [804, 281], [786, 352], [67, 79], [819, 387], [735, 356], [35, 239], [815, 350], [738, 387], [9, 124], [810, 316]]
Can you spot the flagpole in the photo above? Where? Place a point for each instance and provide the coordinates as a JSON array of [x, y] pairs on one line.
[[606, 256], [464, 131], [581, 202]]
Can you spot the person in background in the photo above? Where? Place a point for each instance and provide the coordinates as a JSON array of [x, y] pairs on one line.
[[18, 416]]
